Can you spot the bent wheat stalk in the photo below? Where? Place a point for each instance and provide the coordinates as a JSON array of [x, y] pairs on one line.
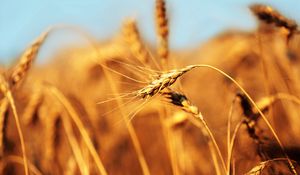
[[166, 79], [263, 105], [181, 100]]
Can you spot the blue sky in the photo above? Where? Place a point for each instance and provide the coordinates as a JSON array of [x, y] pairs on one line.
[[191, 22]]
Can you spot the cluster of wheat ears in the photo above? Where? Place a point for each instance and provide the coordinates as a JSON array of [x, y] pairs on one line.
[[59, 120]]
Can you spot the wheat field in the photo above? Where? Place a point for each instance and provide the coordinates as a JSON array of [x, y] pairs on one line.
[[124, 107]]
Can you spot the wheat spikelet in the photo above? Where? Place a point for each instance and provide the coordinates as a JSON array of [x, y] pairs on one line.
[[132, 37], [251, 123], [257, 170], [179, 99], [162, 29], [263, 104], [271, 16], [24, 64], [162, 81]]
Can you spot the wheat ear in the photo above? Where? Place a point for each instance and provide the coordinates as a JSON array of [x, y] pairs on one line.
[[167, 79], [162, 29], [22, 67], [271, 16], [133, 39], [257, 170]]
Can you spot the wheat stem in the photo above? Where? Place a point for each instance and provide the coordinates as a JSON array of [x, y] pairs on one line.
[[83, 168], [257, 108], [74, 116], [6, 91]]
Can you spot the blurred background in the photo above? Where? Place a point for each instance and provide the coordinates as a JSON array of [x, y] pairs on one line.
[[101, 86], [191, 22]]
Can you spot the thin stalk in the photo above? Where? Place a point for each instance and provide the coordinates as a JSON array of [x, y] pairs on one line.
[[257, 108], [74, 116], [7, 93], [211, 138]]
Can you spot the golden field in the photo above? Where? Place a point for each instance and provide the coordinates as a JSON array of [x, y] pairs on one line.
[[124, 107]]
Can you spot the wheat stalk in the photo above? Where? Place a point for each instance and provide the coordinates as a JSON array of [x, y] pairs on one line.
[[131, 130], [76, 119], [4, 88], [229, 145], [3, 125], [71, 167], [263, 105], [73, 114], [19, 160], [179, 99], [50, 121], [74, 145], [33, 105]]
